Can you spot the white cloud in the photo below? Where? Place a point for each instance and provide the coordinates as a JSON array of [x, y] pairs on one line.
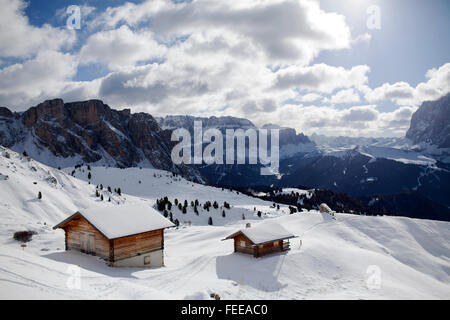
[[285, 31], [240, 58], [20, 39], [359, 114], [120, 48], [364, 120], [344, 96], [37, 79], [321, 77], [400, 92], [437, 85], [310, 97]]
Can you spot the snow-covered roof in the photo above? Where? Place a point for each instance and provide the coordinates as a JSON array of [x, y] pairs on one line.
[[121, 221], [265, 232]]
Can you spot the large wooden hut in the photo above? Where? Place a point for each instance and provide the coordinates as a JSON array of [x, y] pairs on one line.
[[125, 236], [261, 240]]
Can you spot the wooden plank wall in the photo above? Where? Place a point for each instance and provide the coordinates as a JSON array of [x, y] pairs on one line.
[[270, 247], [248, 244], [141, 243], [73, 237]]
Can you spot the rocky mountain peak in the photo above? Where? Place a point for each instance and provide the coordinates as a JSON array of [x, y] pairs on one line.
[[89, 132], [431, 123]]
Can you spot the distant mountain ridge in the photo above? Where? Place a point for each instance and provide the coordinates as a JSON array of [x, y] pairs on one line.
[[67, 134], [185, 121], [289, 140]]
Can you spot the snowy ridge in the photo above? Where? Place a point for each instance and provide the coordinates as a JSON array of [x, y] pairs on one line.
[[375, 152], [398, 149]]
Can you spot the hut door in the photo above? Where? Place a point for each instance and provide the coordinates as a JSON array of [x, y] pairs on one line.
[[87, 242], [91, 243]]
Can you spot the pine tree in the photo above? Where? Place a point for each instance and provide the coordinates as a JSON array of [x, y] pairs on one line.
[[89, 176], [40, 195], [223, 213], [259, 214], [243, 216], [119, 192], [210, 222], [160, 205], [97, 194], [101, 197], [184, 210]]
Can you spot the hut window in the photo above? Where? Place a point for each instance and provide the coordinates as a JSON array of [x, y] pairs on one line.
[[275, 244], [147, 260], [242, 243]]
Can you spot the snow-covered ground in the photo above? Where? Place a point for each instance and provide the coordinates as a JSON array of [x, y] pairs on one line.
[[397, 149], [352, 257]]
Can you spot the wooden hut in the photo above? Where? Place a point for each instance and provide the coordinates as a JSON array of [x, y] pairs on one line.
[[125, 236], [261, 240]]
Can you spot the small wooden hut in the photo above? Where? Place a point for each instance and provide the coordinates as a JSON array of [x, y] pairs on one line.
[[261, 240], [125, 236]]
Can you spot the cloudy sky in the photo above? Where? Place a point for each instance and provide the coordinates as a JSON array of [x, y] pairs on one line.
[[346, 67]]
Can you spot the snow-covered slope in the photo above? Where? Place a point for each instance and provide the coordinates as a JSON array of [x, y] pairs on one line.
[[376, 152], [342, 258]]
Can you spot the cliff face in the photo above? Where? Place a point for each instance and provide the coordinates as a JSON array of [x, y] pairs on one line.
[[89, 132], [431, 123]]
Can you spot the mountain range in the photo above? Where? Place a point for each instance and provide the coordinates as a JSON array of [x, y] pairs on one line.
[[378, 171], [67, 134]]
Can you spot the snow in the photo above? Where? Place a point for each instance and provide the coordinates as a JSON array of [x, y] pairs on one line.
[[332, 259], [376, 152], [265, 232], [398, 149], [404, 156], [119, 221]]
